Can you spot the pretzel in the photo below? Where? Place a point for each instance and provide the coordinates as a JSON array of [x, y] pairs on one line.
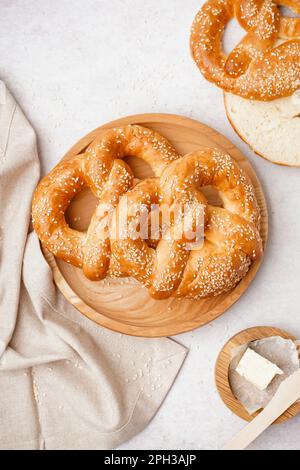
[[232, 239], [102, 169], [257, 68], [166, 265]]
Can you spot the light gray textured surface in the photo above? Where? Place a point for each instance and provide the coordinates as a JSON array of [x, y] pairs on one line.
[[76, 64]]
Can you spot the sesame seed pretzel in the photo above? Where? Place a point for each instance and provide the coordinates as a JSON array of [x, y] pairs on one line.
[[166, 266], [231, 232], [102, 169], [257, 68]]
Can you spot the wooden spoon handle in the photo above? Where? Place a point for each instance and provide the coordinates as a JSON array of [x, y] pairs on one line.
[[287, 393]]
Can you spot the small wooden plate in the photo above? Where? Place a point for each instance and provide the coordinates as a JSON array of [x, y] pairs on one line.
[[222, 369], [123, 305]]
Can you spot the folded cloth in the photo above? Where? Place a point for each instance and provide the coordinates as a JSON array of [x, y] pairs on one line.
[[65, 382]]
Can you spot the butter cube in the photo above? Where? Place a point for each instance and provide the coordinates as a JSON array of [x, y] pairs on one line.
[[257, 369]]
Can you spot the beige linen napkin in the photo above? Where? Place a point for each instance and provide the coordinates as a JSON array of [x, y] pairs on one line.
[[65, 383]]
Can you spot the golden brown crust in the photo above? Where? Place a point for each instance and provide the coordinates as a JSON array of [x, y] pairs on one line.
[[166, 265], [256, 68], [101, 169], [231, 233]]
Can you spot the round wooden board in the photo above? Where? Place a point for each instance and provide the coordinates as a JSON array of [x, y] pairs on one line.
[[123, 305], [222, 370]]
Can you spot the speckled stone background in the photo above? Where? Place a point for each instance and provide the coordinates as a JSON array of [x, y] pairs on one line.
[[76, 64]]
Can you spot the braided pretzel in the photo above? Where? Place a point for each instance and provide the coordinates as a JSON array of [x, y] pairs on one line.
[[101, 169], [232, 238], [167, 266], [257, 68]]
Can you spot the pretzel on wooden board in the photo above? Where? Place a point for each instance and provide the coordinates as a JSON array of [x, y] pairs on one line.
[[231, 233], [102, 169], [167, 267], [257, 68]]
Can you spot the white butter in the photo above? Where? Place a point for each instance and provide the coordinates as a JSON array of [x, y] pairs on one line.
[[257, 369]]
